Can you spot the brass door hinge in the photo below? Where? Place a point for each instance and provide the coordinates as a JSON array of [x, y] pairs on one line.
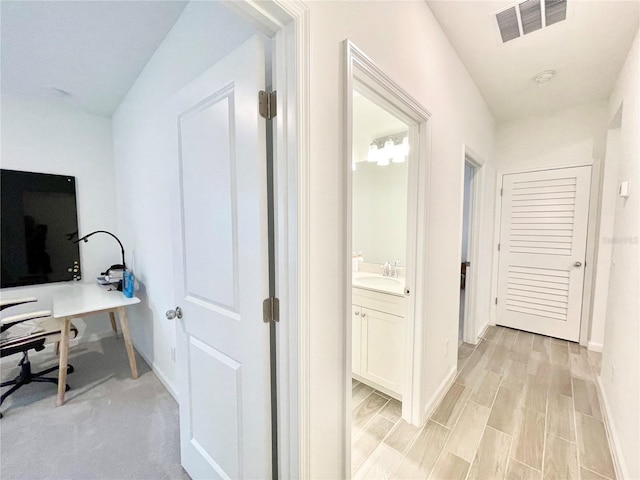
[[267, 103], [271, 310]]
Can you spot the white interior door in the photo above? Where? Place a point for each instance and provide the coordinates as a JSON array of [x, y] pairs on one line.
[[543, 237], [221, 270]]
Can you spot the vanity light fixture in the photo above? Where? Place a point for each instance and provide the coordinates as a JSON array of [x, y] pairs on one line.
[[374, 153], [401, 151], [390, 148], [387, 152]]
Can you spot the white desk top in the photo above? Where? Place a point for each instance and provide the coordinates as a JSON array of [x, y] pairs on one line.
[[78, 299]]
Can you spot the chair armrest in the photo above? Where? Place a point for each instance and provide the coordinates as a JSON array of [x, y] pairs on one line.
[[12, 302], [9, 322]]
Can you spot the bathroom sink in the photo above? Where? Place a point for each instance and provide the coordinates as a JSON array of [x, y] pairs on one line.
[[375, 281], [378, 283]]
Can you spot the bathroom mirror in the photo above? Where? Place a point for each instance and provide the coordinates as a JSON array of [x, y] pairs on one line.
[[380, 178]]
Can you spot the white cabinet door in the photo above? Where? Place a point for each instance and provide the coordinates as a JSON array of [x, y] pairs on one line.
[[356, 340], [383, 338], [542, 251], [221, 270]]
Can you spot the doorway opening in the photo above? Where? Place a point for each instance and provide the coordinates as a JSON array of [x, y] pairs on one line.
[[468, 223], [386, 170], [473, 182], [378, 265]]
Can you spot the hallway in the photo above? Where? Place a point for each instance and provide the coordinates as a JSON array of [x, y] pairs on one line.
[[522, 406]]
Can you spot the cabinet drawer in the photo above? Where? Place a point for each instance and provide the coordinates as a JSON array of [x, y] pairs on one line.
[[382, 302]]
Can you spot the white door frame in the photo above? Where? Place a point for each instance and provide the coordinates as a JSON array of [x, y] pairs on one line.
[[590, 250], [470, 333], [360, 70], [287, 23]]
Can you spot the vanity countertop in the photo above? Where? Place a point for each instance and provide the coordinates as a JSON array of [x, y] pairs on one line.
[[378, 283]]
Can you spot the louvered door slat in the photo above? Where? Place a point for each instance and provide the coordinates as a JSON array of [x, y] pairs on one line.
[[566, 208], [523, 197], [517, 192], [543, 232], [536, 201]]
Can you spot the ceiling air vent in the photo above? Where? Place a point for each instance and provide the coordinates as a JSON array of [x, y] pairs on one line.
[[529, 16], [555, 11], [508, 24]]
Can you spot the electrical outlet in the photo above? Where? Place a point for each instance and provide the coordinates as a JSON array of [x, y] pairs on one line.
[[173, 354]]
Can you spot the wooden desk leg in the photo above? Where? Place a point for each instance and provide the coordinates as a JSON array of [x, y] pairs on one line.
[[64, 355], [124, 325], [114, 327]]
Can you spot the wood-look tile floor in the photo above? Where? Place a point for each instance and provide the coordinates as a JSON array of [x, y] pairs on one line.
[[523, 406]]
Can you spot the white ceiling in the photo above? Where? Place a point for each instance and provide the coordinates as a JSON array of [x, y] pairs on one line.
[[94, 50], [587, 50]]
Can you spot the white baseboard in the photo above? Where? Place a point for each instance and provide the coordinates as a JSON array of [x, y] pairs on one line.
[[482, 332], [594, 347], [440, 392], [612, 435], [161, 376]]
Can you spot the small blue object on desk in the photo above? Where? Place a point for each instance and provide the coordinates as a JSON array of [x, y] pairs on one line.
[[128, 283]]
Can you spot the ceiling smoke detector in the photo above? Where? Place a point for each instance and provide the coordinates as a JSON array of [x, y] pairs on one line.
[[544, 77], [59, 92]]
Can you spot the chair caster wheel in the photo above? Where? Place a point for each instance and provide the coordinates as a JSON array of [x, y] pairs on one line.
[[69, 368], [67, 388]]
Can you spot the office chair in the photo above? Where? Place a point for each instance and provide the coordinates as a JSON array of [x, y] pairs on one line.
[[41, 330]]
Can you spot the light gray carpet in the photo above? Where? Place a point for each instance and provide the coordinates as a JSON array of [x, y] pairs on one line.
[[112, 427]]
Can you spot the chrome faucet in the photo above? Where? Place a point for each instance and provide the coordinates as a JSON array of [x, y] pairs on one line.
[[394, 268], [386, 270]]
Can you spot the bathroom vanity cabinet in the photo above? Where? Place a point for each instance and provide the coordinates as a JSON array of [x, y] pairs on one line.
[[378, 327]]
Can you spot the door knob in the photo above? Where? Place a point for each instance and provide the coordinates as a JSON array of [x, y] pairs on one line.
[[171, 314], [577, 264]]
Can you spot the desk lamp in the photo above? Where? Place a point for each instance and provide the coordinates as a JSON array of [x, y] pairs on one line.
[[112, 267]]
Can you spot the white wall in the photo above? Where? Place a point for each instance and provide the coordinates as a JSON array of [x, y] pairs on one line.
[[58, 138], [604, 232], [404, 39], [143, 146], [620, 375], [569, 135], [575, 135]]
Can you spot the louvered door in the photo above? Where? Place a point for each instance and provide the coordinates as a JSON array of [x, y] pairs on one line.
[[543, 236]]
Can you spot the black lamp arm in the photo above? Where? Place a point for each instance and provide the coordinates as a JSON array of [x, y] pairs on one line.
[[85, 238]]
